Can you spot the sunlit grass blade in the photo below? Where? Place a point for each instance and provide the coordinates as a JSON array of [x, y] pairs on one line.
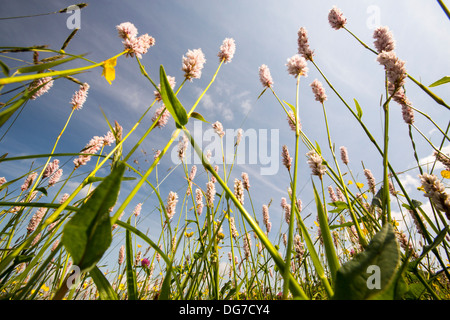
[[105, 290], [131, 272]]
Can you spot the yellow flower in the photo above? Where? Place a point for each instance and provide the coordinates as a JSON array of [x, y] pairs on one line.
[[139, 246], [359, 185], [315, 222], [108, 69], [350, 182], [121, 286], [45, 288], [445, 174], [188, 235]]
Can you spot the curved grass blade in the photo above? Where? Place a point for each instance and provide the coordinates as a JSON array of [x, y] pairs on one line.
[[45, 66], [88, 234], [131, 274], [105, 290]]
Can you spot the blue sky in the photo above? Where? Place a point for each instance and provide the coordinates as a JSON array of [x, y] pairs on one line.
[[265, 33]]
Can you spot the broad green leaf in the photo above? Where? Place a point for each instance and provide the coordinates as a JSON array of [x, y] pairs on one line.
[[105, 290], [198, 116], [45, 66], [382, 255], [443, 80], [358, 109], [88, 234], [171, 101], [131, 273]]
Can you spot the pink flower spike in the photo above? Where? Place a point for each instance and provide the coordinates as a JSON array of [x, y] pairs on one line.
[[318, 91], [227, 50], [264, 76], [303, 45], [296, 66], [44, 83], [384, 39], [127, 30], [193, 64], [79, 97], [336, 18]]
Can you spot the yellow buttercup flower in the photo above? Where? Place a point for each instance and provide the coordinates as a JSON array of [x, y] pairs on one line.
[[445, 174]]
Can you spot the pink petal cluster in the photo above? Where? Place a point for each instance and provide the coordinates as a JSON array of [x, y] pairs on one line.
[[134, 44], [319, 91], [172, 200], [137, 209], [395, 68], [296, 66], [94, 145], [192, 64], [51, 168], [398, 95], [44, 83], [336, 18], [2, 181], [162, 121], [245, 181], [303, 45], [79, 97], [287, 159], [29, 181], [384, 39], [218, 128], [239, 190], [370, 180], [227, 50], [315, 163], [291, 120], [199, 201], [344, 155], [264, 76], [266, 218]]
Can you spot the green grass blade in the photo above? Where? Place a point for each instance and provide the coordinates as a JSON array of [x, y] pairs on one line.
[[131, 274], [330, 251], [105, 290]]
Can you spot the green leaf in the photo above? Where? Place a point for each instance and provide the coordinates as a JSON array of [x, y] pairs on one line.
[[377, 200], [198, 116], [261, 93], [171, 101], [330, 251], [165, 288], [352, 279], [131, 273], [45, 66], [6, 114], [291, 106], [105, 290], [443, 80], [5, 68], [358, 109], [88, 234]]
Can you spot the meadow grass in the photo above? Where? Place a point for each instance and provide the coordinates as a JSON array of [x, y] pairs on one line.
[[212, 243]]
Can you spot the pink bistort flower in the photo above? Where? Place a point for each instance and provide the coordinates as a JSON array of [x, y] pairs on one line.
[[193, 64], [336, 18], [264, 76], [384, 40], [79, 97], [303, 45], [296, 66], [227, 50], [44, 83]]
